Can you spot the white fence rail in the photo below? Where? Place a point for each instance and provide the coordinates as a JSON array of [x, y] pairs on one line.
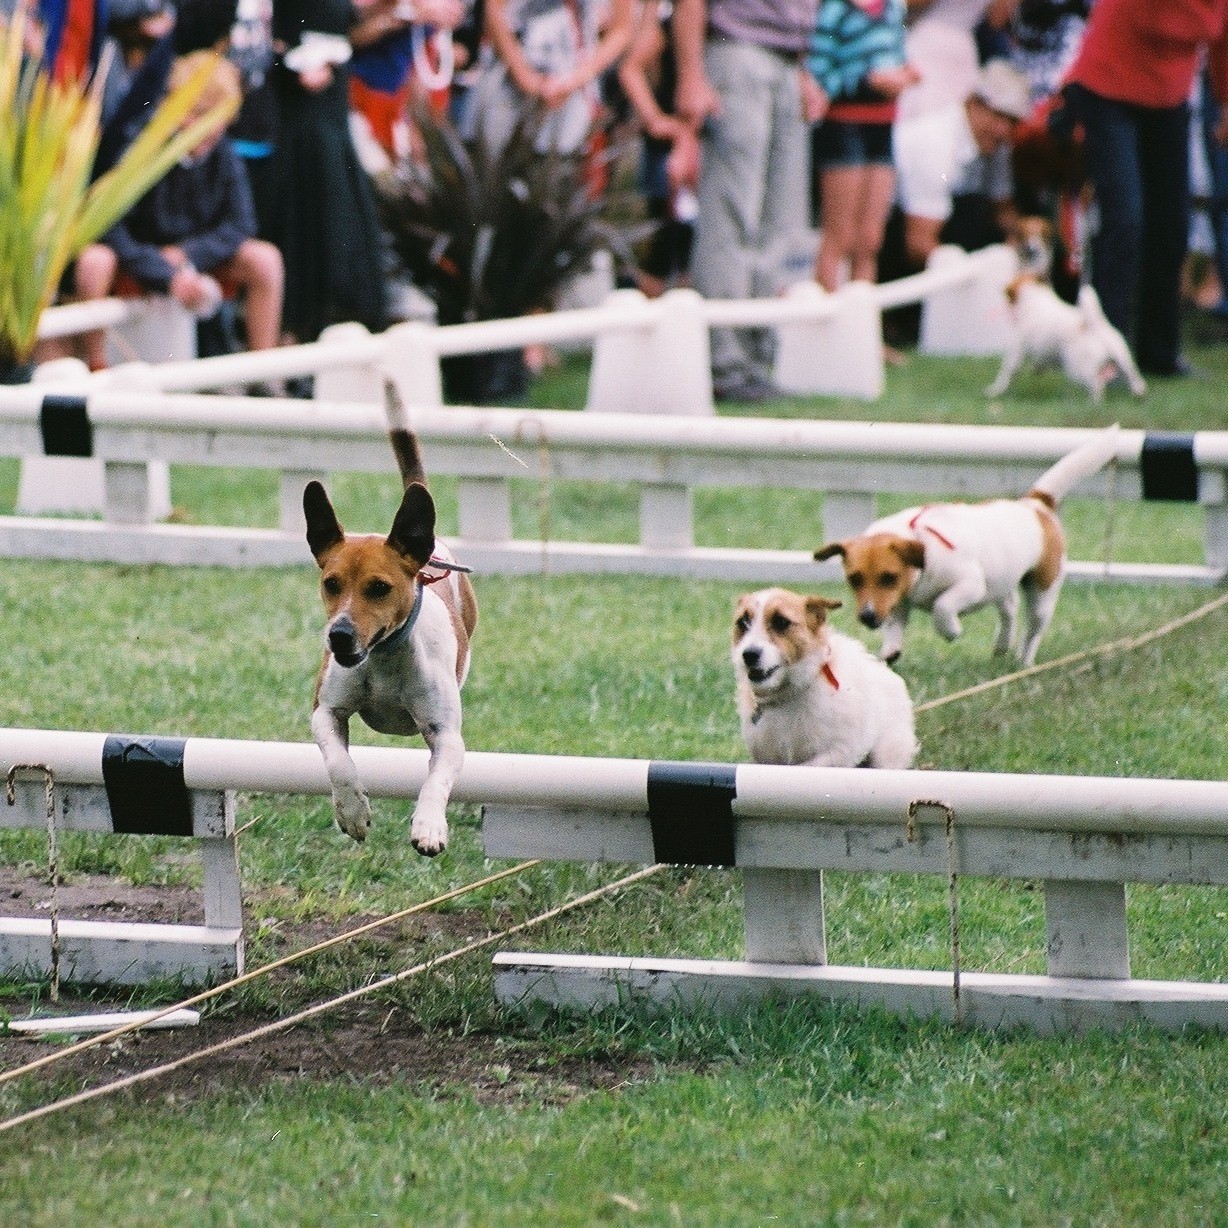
[[649, 356], [668, 458], [1083, 837]]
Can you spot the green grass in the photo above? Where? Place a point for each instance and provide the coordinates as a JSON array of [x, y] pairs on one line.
[[800, 1114]]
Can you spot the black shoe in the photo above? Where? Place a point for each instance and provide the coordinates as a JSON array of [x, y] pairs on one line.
[[1177, 369], [301, 387], [745, 388], [265, 388]]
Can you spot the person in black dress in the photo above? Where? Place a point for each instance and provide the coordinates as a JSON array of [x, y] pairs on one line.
[[321, 211]]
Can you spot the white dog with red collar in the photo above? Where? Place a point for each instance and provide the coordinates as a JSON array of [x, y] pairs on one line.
[[809, 695], [949, 558]]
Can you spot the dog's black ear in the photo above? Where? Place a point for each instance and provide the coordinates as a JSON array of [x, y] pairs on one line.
[[826, 552], [413, 530], [911, 552], [323, 528]]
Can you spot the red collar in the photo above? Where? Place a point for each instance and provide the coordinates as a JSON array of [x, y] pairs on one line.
[[446, 566], [830, 675], [929, 528]]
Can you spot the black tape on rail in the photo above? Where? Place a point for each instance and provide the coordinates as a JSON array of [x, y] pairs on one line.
[[65, 425], [1170, 473], [145, 786], [691, 812]]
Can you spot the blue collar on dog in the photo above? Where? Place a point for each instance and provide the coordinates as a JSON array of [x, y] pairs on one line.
[[398, 636], [402, 632]]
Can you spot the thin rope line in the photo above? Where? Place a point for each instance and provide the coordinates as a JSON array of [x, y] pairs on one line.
[[1127, 644], [280, 1025], [93, 1041]]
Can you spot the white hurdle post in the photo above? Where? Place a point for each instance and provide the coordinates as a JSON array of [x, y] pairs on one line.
[[839, 352], [122, 784], [970, 316], [157, 329], [661, 366], [349, 381]]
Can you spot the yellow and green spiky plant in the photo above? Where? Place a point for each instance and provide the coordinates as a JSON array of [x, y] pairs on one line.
[[50, 209]]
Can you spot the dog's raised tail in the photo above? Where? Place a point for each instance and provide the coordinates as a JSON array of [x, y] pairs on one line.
[[1057, 481], [1088, 303], [401, 436]]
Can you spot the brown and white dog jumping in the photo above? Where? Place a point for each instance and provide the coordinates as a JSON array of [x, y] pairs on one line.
[[949, 558], [400, 617], [808, 694]]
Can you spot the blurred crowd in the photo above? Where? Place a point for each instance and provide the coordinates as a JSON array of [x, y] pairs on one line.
[[773, 139]]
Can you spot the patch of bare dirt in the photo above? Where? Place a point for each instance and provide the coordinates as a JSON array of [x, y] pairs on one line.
[[361, 1041]]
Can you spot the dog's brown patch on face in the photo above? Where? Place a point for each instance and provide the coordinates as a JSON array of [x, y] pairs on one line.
[[792, 622], [880, 569], [789, 624], [1052, 550], [371, 584]]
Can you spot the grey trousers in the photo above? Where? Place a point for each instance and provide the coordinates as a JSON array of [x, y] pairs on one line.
[[754, 189]]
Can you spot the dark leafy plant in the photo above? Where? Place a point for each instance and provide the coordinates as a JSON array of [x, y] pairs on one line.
[[490, 236]]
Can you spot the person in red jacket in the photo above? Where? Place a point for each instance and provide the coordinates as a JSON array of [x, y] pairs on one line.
[[1129, 88]]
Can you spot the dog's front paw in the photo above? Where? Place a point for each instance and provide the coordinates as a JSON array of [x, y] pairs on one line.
[[996, 389], [353, 810], [429, 832]]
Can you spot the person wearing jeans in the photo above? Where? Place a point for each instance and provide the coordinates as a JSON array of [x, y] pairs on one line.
[[740, 84], [1129, 89]]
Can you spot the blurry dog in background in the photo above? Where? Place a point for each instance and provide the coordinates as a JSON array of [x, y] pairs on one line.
[[809, 695], [952, 557], [1048, 331]]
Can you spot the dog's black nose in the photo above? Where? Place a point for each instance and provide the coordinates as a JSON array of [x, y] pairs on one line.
[[343, 642], [867, 617], [750, 657]]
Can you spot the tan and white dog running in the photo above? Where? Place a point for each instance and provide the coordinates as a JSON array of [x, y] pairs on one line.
[[1048, 331], [400, 617], [949, 558], [808, 695]]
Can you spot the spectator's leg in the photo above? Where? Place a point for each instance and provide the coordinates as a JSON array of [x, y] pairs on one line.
[[1164, 145], [1111, 148], [93, 278], [733, 186], [786, 207], [1217, 206], [256, 268], [878, 191]]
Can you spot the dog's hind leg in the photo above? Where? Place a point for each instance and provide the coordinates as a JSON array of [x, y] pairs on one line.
[[1008, 622], [895, 750], [1040, 605]]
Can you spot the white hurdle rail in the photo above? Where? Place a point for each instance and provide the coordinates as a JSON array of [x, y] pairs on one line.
[[668, 458], [781, 827], [649, 356], [136, 788]]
